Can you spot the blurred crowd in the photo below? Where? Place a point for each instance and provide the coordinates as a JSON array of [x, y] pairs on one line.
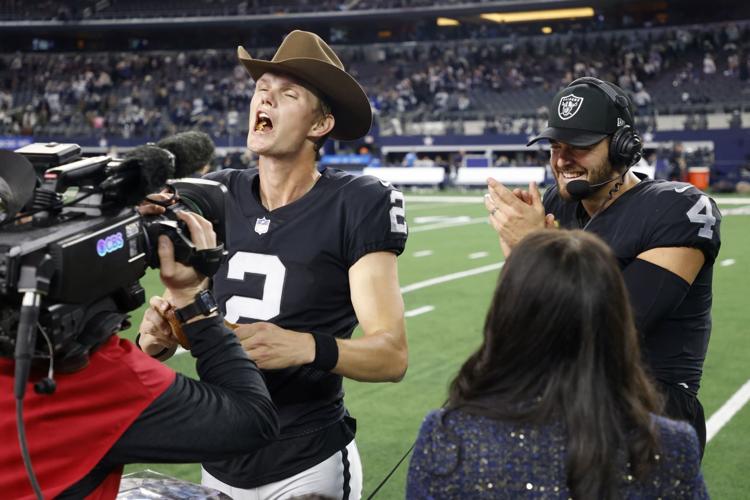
[[153, 94], [458, 76]]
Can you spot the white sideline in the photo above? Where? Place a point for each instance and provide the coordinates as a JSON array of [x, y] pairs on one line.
[[724, 414]]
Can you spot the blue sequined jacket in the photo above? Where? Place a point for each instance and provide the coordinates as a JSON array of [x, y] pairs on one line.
[[472, 457]]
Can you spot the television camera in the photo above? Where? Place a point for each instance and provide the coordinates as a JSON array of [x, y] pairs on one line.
[[73, 247]]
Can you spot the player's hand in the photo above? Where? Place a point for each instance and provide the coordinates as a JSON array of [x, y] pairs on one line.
[[182, 281], [156, 334], [272, 347], [513, 215], [523, 195]]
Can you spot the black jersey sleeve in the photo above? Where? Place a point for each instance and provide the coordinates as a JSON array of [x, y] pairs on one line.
[[375, 219], [684, 217]]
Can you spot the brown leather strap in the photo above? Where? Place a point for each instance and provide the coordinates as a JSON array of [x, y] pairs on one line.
[[176, 326]]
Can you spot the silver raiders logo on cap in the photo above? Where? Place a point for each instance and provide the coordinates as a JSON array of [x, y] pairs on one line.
[[569, 106]]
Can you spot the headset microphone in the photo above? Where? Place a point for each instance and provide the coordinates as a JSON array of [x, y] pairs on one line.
[[579, 189]]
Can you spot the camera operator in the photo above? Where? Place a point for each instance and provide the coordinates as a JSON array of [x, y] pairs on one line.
[[125, 407]]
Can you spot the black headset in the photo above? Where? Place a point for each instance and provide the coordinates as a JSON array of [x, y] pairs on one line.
[[626, 146]]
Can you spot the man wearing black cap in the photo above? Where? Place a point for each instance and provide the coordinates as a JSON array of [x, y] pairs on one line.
[[311, 254], [664, 234]]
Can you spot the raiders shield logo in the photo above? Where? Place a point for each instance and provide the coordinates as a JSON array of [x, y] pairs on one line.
[[261, 225], [569, 106]]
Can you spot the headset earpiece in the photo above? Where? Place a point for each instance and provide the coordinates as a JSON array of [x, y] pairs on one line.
[[625, 147]]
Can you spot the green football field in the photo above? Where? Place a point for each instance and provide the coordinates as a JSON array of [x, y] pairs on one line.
[[447, 273]]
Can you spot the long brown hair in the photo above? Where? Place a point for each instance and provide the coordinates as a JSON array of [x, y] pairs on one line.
[[560, 345]]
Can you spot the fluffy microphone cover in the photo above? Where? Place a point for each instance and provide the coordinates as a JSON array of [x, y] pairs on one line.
[[192, 150], [155, 166]]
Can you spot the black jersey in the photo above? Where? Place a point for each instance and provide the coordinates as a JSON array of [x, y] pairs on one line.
[[655, 214], [290, 267]]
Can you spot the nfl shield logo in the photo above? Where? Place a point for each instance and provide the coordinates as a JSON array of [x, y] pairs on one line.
[[261, 225], [569, 106]]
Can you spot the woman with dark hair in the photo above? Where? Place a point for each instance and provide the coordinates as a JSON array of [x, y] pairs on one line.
[[555, 403]]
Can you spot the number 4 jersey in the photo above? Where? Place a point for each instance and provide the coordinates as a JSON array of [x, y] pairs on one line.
[[290, 267], [654, 214]]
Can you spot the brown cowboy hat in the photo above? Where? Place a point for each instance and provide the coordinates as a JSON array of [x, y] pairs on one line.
[[306, 56]]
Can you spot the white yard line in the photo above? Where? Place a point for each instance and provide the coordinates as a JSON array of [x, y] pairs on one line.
[[423, 253], [439, 219], [724, 414], [419, 207], [478, 255], [450, 277], [418, 311], [441, 225], [727, 262], [445, 199], [744, 210]]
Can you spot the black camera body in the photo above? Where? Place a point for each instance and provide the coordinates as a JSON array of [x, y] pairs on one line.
[[83, 248]]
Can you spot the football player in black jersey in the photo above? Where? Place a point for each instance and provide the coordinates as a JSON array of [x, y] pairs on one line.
[[664, 234], [311, 254]]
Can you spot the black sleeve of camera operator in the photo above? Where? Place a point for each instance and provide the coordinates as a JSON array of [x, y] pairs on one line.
[[228, 412]]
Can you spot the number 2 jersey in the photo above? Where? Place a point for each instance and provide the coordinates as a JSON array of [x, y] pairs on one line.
[[290, 267], [655, 214]]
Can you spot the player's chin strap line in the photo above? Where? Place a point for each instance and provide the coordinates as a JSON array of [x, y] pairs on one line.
[[610, 194]]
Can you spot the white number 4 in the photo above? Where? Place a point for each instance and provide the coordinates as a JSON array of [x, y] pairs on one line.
[[707, 219]]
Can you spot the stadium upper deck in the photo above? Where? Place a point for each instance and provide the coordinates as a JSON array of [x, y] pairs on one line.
[[672, 70]]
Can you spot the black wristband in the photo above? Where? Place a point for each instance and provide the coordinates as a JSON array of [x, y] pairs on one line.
[[157, 355], [326, 352]]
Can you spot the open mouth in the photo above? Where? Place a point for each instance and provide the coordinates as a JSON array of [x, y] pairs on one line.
[[263, 122]]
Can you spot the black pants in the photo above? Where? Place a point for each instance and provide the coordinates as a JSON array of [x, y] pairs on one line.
[[680, 404]]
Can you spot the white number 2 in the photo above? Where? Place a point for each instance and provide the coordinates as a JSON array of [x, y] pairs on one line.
[[269, 306], [707, 219], [398, 210]]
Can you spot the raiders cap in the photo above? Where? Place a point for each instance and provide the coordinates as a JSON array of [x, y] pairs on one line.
[[583, 114]]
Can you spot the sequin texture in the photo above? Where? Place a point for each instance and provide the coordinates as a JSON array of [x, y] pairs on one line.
[[467, 456]]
